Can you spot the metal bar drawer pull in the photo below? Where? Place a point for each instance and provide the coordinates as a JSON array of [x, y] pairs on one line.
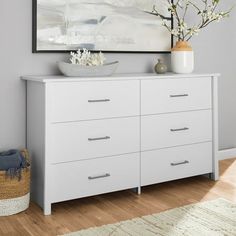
[[179, 95], [181, 129], [180, 163], [99, 100], [99, 176], [100, 138]]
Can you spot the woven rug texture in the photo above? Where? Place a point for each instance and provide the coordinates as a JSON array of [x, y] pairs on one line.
[[211, 218]]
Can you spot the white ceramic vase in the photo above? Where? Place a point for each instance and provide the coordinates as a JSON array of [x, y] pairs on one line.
[[182, 58]]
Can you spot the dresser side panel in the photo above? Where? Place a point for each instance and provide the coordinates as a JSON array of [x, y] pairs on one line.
[[36, 138], [215, 128]]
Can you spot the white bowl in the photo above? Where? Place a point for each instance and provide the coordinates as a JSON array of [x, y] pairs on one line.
[[73, 70]]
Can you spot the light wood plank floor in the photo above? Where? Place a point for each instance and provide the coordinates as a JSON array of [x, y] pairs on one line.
[[110, 208]]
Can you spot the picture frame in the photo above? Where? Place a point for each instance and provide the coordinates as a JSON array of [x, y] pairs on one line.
[[123, 29]]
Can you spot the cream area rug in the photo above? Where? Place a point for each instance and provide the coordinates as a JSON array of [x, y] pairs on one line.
[[212, 218]]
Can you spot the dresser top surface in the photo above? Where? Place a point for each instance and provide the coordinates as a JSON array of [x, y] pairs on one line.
[[131, 76]]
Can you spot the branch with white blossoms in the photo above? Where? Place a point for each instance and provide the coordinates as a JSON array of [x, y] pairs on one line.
[[86, 58], [206, 12]]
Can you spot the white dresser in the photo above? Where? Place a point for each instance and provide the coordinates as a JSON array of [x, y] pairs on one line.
[[90, 136]]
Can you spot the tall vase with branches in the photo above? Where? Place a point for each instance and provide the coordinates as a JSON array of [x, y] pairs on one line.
[[202, 13]]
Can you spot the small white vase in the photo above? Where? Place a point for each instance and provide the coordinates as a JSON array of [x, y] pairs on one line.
[[182, 58]]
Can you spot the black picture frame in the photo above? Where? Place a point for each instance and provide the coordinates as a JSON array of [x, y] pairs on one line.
[[36, 50]]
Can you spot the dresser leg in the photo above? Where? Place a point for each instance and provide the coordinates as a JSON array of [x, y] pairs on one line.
[[214, 176], [139, 190], [47, 209]]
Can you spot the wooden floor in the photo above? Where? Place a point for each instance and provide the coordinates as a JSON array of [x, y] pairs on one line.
[[110, 208]]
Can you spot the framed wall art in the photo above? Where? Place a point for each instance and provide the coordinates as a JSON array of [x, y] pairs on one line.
[[101, 25]]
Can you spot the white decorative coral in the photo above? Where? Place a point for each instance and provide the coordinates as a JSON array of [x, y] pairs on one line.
[[86, 58]]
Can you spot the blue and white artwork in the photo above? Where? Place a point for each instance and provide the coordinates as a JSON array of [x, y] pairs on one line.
[[101, 25]]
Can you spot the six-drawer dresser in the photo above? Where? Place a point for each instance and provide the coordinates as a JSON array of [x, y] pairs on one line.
[[90, 136]]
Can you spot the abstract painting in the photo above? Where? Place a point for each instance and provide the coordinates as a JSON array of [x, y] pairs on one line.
[[101, 25]]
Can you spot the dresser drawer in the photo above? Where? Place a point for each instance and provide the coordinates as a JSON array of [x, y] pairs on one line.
[[175, 163], [94, 100], [91, 177], [167, 130], [172, 95], [98, 138]]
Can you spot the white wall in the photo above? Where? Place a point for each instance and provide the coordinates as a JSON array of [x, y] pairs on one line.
[[215, 50]]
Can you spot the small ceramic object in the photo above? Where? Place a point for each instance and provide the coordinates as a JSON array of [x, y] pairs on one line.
[[160, 67], [73, 70], [182, 58]]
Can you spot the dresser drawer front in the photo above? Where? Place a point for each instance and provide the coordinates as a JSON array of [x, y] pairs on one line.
[[94, 100], [175, 163], [167, 130], [85, 178], [172, 95], [98, 138]]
